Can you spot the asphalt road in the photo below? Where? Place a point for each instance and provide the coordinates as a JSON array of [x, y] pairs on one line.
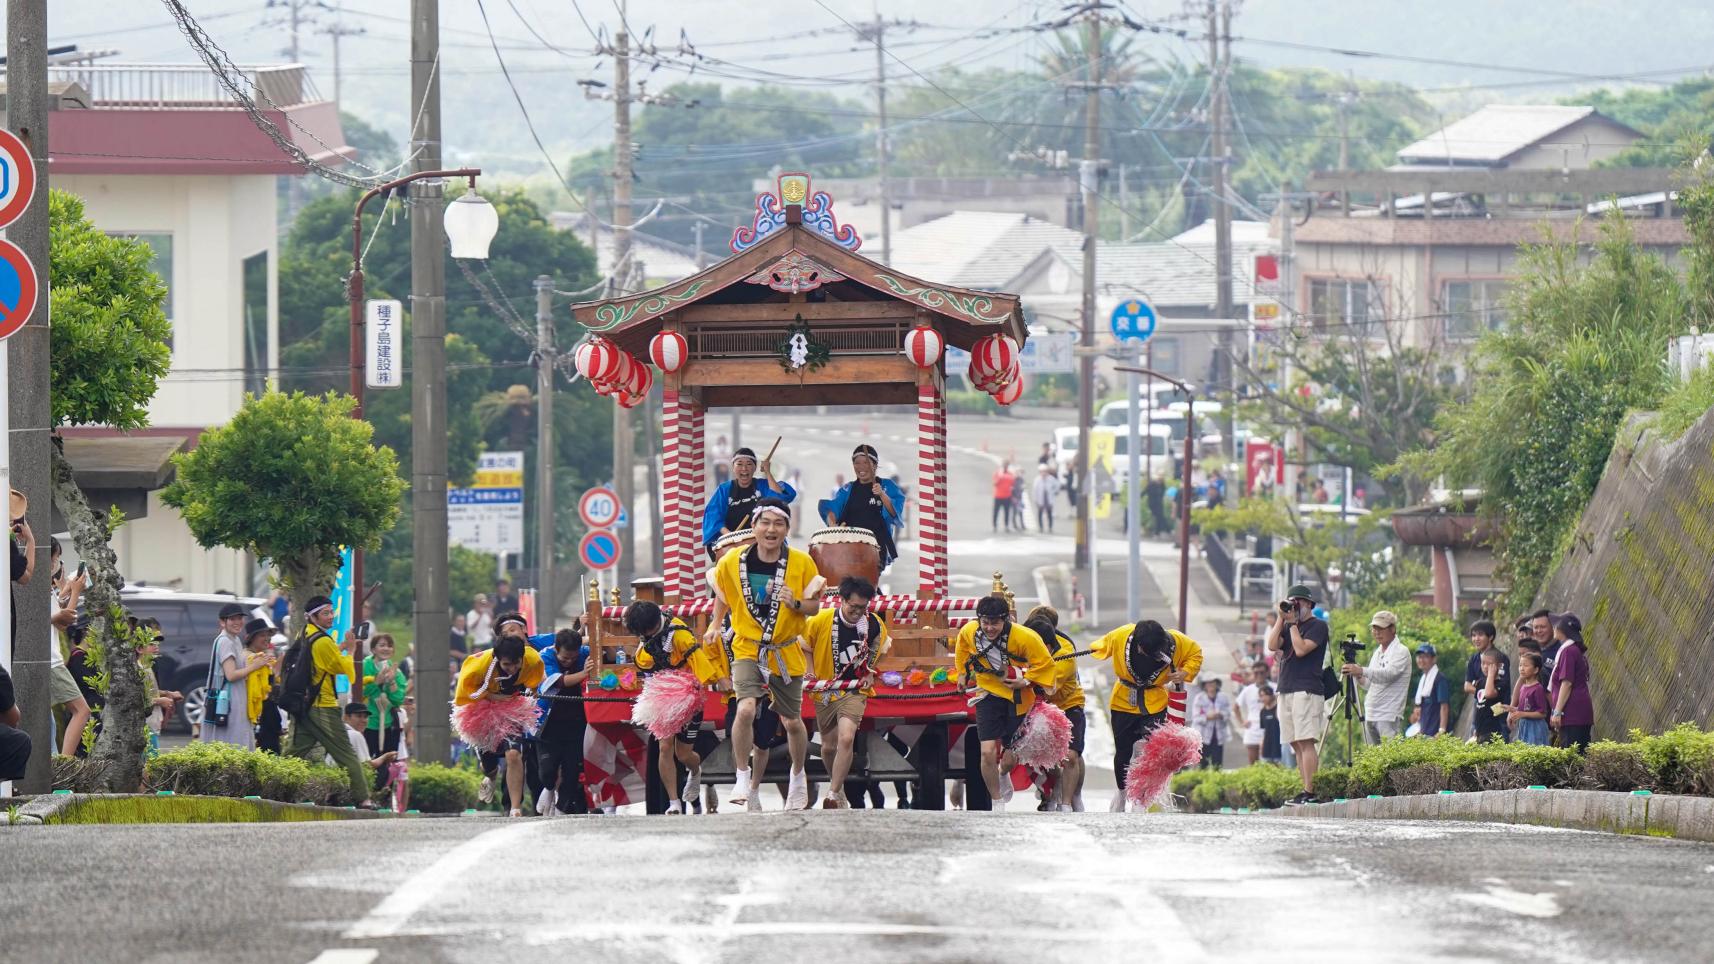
[[853, 887]]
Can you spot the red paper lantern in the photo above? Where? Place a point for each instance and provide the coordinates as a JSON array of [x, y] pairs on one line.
[[668, 350], [1012, 391], [641, 379], [630, 401], [923, 346], [598, 360], [994, 381], [993, 354]]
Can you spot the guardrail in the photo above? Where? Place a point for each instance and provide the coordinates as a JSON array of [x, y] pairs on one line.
[[185, 86]]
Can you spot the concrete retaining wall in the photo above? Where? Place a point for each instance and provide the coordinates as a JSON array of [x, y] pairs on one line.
[[1689, 818]]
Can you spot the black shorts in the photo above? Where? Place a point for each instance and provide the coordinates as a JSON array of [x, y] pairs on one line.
[[996, 719], [1079, 723], [687, 735], [765, 730], [491, 760]]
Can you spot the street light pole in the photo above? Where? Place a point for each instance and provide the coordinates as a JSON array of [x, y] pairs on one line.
[[547, 604], [359, 357], [1183, 492]]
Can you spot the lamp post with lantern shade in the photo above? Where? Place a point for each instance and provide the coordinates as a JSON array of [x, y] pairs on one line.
[[471, 223]]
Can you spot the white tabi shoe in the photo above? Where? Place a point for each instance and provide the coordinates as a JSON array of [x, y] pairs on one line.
[[797, 792]]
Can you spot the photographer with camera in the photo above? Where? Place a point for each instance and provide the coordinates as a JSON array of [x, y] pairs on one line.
[[1385, 678], [1301, 640]]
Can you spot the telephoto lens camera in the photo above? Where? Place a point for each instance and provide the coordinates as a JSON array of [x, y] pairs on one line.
[[1351, 648]]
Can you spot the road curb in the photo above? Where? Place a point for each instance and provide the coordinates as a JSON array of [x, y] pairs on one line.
[[47, 808], [1661, 815]]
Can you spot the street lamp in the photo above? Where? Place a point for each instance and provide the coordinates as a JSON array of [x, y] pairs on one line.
[[469, 230], [1183, 491]]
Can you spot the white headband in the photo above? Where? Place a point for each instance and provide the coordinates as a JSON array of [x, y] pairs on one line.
[[765, 509]]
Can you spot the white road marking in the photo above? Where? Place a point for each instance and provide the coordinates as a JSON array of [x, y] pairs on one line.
[[394, 912], [346, 955], [1515, 902]]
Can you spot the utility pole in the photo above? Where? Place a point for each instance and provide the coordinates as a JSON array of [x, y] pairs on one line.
[[547, 604], [27, 361], [1347, 97], [431, 617], [295, 18], [879, 33], [624, 442], [1220, 63], [335, 31], [1089, 177]]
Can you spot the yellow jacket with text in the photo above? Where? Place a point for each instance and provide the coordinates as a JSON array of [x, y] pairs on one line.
[[1024, 649], [1067, 693], [818, 636], [687, 652], [1186, 657], [746, 629], [474, 673]]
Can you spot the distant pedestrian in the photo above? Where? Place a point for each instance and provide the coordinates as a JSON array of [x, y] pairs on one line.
[[260, 708], [1384, 680], [1488, 680], [322, 728], [505, 600], [1528, 713], [1301, 640], [1046, 456], [1271, 747], [1208, 712], [1019, 487], [226, 694], [1433, 704], [1541, 630], [384, 686], [479, 623], [1573, 717], [1247, 711], [1043, 493], [1004, 481]]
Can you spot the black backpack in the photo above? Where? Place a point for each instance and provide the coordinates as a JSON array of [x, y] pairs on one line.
[[299, 682]]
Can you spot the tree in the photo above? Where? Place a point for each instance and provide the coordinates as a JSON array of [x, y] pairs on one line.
[[108, 355], [1349, 554], [1669, 118], [1584, 345], [290, 479]]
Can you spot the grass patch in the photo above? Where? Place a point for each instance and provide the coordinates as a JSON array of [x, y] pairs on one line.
[[108, 810]]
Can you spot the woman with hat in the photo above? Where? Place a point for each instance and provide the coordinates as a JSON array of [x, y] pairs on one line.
[[259, 706], [226, 697]]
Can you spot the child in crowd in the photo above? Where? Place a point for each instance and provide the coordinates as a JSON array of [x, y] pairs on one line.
[[1491, 696], [1528, 715], [1270, 726]]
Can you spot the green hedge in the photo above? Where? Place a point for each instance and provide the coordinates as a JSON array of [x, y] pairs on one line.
[[223, 770], [443, 789], [1680, 760]]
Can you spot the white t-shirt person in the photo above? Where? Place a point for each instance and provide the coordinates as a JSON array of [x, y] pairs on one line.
[[1250, 703]]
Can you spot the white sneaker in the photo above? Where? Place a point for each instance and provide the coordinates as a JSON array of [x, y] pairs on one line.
[[675, 808], [797, 792], [485, 793], [692, 787], [545, 806]]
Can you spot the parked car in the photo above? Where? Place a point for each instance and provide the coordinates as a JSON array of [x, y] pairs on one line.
[[189, 621], [1157, 459], [1065, 448]]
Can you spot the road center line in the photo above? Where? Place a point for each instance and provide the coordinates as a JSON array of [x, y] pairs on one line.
[[392, 913]]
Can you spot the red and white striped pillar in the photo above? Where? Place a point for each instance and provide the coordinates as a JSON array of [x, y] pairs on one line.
[[672, 511], [692, 473], [931, 486]]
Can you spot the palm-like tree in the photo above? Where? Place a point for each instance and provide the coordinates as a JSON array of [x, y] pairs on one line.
[[516, 407]]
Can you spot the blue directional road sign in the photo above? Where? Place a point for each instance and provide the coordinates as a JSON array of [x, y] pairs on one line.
[[1133, 320], [599, 549]]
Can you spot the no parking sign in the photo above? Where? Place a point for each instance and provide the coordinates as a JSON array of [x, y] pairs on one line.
[[17, 274], [599, 549]]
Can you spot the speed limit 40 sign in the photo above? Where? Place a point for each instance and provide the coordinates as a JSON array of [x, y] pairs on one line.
[[599, 507]]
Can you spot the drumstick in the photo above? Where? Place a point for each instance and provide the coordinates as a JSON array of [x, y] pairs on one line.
[[770, 456]]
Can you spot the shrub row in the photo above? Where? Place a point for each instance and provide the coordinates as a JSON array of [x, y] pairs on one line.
[[1681, 760], [223, 770]]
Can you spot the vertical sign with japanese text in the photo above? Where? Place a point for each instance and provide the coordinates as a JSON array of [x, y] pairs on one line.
[[385, 368]]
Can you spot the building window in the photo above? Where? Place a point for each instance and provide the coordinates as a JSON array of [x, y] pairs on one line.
[[255, 272], [1474, 307], [1337, 303]]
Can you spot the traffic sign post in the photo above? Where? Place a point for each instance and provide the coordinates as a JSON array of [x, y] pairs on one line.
[[599, 549], [599, 507], [1133, 323], [17, 304]]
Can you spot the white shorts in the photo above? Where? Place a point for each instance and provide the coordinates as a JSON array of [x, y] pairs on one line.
[[1302, 716], [1254, 737]]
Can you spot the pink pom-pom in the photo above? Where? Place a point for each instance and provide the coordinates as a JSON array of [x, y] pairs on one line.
[[1167, 751], [485, 724], [668, 702], [1044, 738]]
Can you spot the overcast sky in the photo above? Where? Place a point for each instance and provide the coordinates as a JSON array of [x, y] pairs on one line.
[[1560, 37]]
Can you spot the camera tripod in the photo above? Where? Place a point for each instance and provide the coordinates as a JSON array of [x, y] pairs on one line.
[[1346, 701]]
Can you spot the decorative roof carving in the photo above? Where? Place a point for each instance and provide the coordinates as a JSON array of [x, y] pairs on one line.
[[795, 273]]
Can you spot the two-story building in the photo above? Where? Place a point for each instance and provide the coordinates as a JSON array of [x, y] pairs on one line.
[[1432, 242], [163, 153]]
